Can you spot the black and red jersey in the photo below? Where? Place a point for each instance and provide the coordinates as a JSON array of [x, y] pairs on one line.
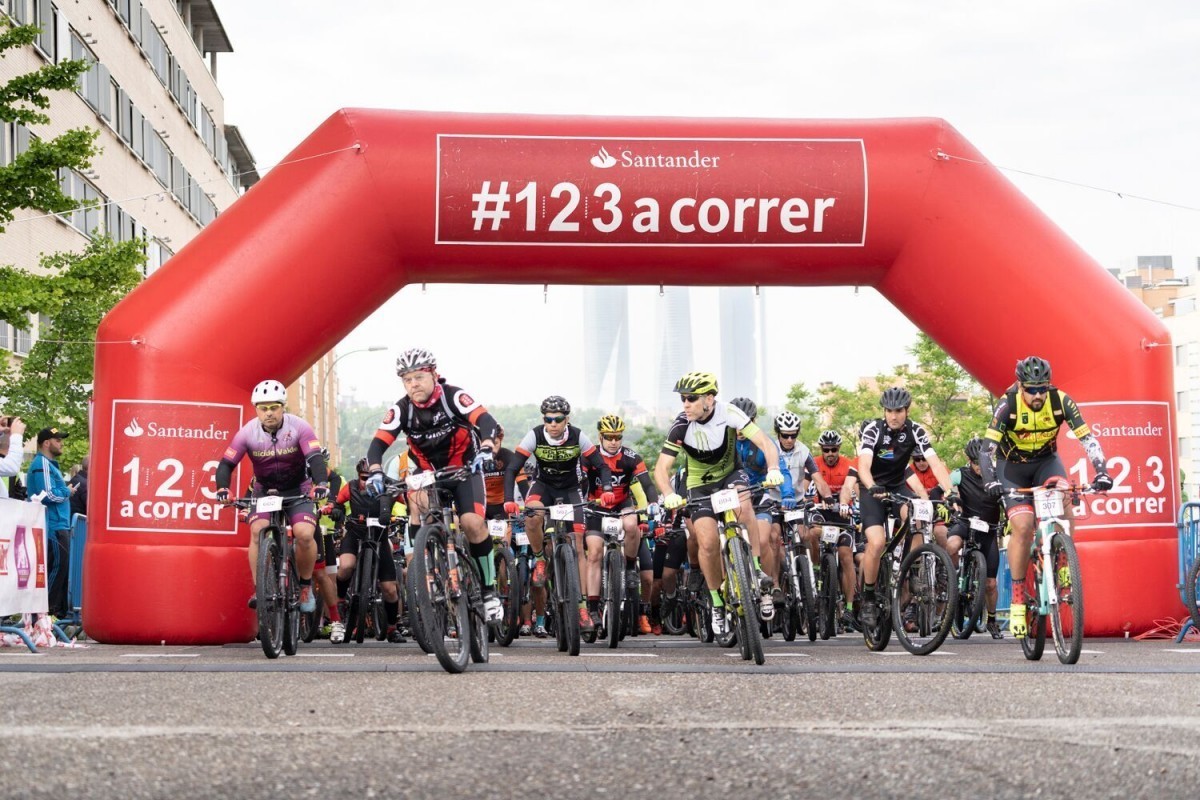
[[626, 466], [444, 432]]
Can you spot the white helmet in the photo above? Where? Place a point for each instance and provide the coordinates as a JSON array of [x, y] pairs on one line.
[[415, 358], [269, 392], [787, 422]]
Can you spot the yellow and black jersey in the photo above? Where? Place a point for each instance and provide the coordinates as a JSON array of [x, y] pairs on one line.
[[1024, 434]]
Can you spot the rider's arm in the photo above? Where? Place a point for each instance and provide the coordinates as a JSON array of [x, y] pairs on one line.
[[590, 455], [1091, 445], [987, 469], [643, 480], [939, 470], [769, 451], [914, 483], [865, 457], [513, 466], [848, 489], [662, 471], [811, 471]]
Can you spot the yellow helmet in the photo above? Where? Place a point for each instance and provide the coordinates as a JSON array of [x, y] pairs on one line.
[[697, 383], [611, 424]]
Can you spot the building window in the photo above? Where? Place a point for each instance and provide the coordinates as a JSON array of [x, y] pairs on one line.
[[22, 340], [45, 16], [85, 218], [1185, 448], [1181, 355], [1181, 400], [4, 345]]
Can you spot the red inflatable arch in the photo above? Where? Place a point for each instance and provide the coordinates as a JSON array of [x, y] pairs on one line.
[[375, 200]]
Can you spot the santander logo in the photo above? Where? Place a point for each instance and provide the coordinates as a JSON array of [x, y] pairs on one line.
[[133, 429], [603, 160]]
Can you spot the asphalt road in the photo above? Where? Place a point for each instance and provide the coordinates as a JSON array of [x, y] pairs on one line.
[[659, 718]]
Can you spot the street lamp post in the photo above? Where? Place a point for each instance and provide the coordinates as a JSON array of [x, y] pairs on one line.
[[321, 387]]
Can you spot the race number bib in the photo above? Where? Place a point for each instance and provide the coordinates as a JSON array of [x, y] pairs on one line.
[[496, 528], [978, 525], [829, 534], [562, 512], [265, 505], [725, 500], [420, 480], [1048, 503], [922, 511], [793, 516], [611, 526], [522, 538]]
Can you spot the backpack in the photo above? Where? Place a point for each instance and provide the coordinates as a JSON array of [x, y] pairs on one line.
[[1055, 405]]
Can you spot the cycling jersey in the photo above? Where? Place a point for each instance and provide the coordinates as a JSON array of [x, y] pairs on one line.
[[356, 505], [892, 449], [493, 479], [976, 502], [1024, 434], [626, 466], [836, 475], [558, 461], [281, 460], [708, 446], [754, 461], [927, 479], [443, 432], [798, 461]]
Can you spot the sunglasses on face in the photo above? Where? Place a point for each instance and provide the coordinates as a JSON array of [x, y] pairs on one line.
[[788, 435], [831, 449], [362, 476], [1036, 390], [612, 438], [690, 398], [269, 406], [554, 420], [921, 459]]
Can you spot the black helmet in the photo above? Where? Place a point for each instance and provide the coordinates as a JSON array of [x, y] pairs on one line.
[[830, 439], [556, 405], [895, 397], [973, 448], [361, 466], [1033, 371], [746, 405]]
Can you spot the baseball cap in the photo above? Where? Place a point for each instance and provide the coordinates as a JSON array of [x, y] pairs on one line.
[[50, 433]]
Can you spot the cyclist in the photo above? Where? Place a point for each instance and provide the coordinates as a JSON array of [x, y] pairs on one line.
[[840, 475], [560, 450], [625, 466], [284, 452], [1023, 441], [445, 428], [977, 503], [930, 490], [706, 435], [352, 507], [493, 480], [885, 447]]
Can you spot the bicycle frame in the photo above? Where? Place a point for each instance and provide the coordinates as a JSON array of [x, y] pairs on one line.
[[1049, 509]]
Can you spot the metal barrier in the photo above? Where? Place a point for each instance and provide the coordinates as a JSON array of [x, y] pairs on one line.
[[1189, 544], [75, 570]]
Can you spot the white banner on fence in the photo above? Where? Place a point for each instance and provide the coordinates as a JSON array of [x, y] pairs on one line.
[[22, 558]]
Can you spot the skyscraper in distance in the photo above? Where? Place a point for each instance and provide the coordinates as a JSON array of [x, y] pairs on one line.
[[606, 369]]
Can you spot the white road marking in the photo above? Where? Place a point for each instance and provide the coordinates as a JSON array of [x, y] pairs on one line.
[[619, 655], [160, 655], [325, 655]]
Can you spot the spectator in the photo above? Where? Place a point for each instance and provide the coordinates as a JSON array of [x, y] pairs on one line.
[[11, 431], [79, 488], [45, 478]]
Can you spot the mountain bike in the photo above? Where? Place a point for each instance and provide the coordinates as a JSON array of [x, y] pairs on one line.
[[972, 579], [364, 600], [828, 587], [1053, 582], [507, 586], [796, 579], [562, 574], [615, 600], [449, 588], [673, 611], [915, 589], [740, 589], [277, 589]]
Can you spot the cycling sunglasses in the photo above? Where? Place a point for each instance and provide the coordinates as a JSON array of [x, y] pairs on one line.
[[553, 420]]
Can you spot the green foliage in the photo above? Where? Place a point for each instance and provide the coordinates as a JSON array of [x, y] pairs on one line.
[[648, 445], [31, 180], [946, 399], [77, 292], [804, 404]]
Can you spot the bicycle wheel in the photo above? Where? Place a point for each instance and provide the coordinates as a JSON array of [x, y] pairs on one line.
[[567, 570], [744, 606], [1067, 613], [809, 616], [270, 605], [290, 590], [1034, 642], [969, 609], [925, 598], [829, 595], [509, 591], [1190, 590], [878, 636], [700, 612], [614, 566], [788, 616], [472, 595], [364, 607], [447, 627], [416, 624], [673, 618]]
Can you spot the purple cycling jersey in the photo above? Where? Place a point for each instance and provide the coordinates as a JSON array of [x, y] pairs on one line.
[[280, 459]]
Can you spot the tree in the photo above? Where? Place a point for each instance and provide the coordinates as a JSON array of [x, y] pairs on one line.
[[648, 445], [32, 179], [804, 404], [79, 289]]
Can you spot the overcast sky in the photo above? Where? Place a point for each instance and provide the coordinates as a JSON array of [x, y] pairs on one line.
[[1096, 93]]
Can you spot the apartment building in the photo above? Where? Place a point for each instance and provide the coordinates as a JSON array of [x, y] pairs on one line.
[[169, 161]]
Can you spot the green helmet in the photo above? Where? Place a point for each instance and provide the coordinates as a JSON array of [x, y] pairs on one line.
[[697, 383]]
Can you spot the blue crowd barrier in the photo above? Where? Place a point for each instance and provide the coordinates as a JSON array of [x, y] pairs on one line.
[[1189, 542], [75, 569]]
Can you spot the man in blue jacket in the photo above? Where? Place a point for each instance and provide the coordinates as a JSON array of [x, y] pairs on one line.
[[44, 481]]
